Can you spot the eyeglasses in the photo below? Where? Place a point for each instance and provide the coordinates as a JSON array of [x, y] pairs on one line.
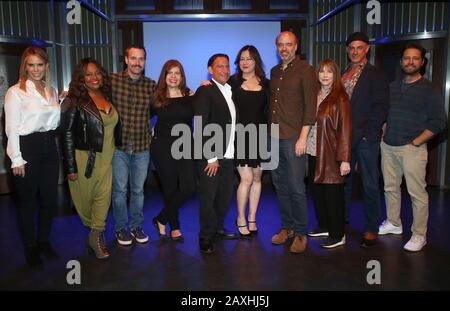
[[249, 59]]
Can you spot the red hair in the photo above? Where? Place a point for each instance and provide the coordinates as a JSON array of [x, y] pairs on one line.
[[161, 89], [23, 76], [337, 88]]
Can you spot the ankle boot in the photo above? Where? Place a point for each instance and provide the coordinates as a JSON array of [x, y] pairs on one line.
[[32, 257], [96, 243]]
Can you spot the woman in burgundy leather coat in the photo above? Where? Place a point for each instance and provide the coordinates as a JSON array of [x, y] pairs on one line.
[[332, 137]]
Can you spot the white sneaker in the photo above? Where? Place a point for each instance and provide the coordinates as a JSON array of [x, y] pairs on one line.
[[416, 243], [388, 228], [332, 243]]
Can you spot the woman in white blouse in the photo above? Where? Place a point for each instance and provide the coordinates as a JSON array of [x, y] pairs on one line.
[[32, 114]]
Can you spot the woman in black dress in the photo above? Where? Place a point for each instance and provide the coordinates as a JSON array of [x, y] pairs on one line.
[[173, 106], [250, 95]]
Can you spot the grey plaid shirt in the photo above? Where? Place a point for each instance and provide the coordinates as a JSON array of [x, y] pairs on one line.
[[133, 98]]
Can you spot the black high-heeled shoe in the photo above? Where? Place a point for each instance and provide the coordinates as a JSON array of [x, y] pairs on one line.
[[162, 236], [179, 238], [253, 232], [243, 235], [46, 249], [32, 258]]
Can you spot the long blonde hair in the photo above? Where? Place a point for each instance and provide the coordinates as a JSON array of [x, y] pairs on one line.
[[33, 50]]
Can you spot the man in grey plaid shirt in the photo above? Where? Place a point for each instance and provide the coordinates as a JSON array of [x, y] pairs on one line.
[[132, 95]]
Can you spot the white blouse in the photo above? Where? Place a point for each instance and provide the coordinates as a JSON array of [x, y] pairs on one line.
[[311, 142], [26, 113], [227, 94]]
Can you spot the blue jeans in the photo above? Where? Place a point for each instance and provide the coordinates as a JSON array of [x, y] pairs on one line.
[[288, 179], [366, 154], [129, 168]]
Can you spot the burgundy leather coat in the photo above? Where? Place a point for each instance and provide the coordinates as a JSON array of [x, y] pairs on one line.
[[334, 139]]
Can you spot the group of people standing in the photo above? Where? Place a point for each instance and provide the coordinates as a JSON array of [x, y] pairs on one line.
[[104, 123], [342, 132]]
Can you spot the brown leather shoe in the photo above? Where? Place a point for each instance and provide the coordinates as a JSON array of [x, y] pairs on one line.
[[369, 240], [299, 244], [282, 236]]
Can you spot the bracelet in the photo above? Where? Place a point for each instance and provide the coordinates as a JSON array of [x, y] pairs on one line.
[[417, 146]]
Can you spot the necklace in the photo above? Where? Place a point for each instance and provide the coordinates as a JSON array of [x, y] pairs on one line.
[[323, 94]]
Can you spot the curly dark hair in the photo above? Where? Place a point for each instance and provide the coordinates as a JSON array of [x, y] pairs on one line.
[[76, 87]]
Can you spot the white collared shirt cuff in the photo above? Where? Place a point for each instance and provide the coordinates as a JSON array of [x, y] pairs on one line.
[[18, 161], [212, 160]]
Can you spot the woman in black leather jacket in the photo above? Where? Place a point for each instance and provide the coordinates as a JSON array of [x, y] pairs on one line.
[[90, 128]]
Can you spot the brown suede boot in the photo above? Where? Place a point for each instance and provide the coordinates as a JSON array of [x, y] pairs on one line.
[[96, 242], [282, 236], [299, 244]]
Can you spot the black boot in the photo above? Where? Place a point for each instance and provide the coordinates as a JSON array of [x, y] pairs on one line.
[[32, 257], [46, 249]]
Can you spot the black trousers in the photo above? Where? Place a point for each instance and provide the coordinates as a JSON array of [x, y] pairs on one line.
[[329, 203], [215, 195], [41, 179], [178, 180], [321, 215]]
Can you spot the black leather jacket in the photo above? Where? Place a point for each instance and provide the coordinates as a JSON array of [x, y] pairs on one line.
[[82, 129]]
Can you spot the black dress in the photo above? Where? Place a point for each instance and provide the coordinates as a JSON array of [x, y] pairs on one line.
[[177, 176], [251, 107]]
